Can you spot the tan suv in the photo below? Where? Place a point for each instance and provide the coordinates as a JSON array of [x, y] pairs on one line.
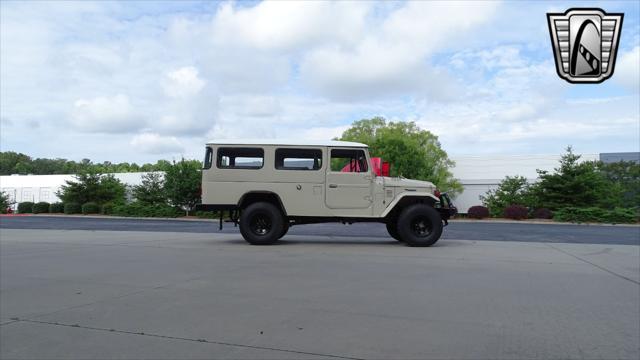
[[268, 186]]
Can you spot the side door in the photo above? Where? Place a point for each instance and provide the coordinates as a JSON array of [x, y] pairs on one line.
[[349, 179]]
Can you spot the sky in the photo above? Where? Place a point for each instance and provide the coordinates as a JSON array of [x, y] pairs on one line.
[[142, 81]]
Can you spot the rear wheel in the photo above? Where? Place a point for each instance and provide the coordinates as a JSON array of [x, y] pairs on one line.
[[420, 225], [261, 223], [392, 228]]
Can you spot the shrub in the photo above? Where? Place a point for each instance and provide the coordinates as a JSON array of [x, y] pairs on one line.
[[93, 187], [516, 212], [5, 202], [542, 213], [107, 209], [56, 208], [594, 214], [623, 215], [141, 210], [512, 190], [25, 207], [72, 208], [90, 208], [478, 212], [41, 207]]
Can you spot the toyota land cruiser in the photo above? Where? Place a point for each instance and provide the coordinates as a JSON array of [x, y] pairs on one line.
[[268, 186]]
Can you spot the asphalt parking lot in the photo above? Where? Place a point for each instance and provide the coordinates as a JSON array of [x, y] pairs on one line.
[[79, 294], [457, 229]]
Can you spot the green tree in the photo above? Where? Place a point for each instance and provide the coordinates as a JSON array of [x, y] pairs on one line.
[[624, 177], [9, 160], [151, 190], [81, 190], [574, 184], [511, 191], [182, 183], [412, 152], [93, 187]]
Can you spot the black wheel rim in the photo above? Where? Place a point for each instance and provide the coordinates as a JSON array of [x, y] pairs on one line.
[[260, 224], [421, 226]]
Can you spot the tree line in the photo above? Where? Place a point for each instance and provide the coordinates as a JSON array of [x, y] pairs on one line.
[[170, 193], [580, 191], [17, 163]]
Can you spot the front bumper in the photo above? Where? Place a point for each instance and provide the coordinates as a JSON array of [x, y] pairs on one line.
[[446, 208]]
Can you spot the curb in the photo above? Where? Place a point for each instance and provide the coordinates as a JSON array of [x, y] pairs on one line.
[[538, 222], [121, 217]]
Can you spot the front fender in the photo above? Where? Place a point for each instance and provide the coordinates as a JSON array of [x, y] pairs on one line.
[[424, 195]]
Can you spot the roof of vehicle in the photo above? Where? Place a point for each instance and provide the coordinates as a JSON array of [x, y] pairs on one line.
[[286, 142]]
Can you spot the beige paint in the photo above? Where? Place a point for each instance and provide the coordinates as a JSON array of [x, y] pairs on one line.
[[321, 193]]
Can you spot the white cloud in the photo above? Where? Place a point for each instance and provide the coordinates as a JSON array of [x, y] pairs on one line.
[[627, 70], [105, 114], [284, 25], [183, 82], [251, 105], [191, 107], [152, 143], [393, 60], [504, 56], [323, 133]]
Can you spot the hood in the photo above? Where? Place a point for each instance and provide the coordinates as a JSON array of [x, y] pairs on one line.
[[408, 183]]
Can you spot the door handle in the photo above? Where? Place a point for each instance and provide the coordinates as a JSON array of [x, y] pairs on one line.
[[333, 186]]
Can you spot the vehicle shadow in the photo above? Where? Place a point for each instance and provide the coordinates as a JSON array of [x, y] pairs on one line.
[[333, 241]]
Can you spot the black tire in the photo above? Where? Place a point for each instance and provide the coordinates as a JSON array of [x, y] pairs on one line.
[[261, 223], [285, 228], [420, 225], [392, 229]]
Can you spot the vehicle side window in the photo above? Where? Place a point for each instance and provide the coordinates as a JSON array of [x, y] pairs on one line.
[[343, 160], [240, 158], [298, 159], [208, 158]]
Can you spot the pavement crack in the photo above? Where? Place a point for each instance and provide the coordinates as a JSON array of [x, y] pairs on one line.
[[594, 264], [207, 341]]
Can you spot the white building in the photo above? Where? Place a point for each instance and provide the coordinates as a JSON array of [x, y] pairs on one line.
[[36, 188]]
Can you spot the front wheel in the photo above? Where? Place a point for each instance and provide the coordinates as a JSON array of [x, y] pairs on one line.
[[420, 225], [261, 223]]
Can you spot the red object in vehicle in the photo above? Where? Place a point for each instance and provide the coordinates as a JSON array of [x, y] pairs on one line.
[[380, 168], [386, 168]]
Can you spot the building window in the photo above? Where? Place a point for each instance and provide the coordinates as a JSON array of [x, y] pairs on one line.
[[240, 158], [298, 159], [346, 160], [44, 195], [27, 195]]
